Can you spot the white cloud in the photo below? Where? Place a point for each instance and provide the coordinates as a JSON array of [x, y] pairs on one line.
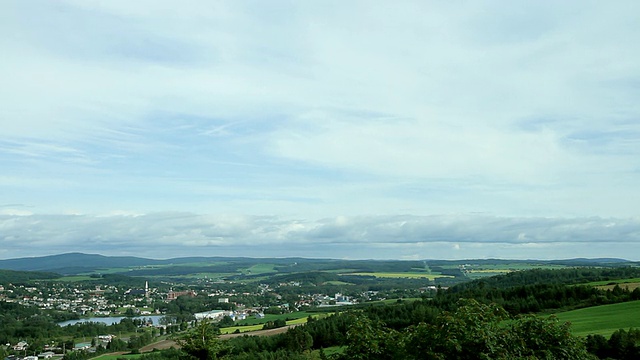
[[308, 111], [172, 234]]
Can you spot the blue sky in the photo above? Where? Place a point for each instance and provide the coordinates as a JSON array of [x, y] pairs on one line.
[[412, 130]]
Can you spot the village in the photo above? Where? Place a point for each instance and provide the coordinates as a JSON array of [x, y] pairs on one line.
[[105, 301], [156, 308]]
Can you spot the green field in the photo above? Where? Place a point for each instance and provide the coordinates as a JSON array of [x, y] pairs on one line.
[[271, 317], [603, 320], [618, 281], [76, 278], [393, 301], [232, 329], [260, 269], [204, 275], [402, 275], [336, 282], [253, 324]]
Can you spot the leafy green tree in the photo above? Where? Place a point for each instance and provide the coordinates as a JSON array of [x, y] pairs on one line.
[[369, 340], [533, 337], [202, 343], [226, 321], [622, 344], [474, 331], [299, 340]]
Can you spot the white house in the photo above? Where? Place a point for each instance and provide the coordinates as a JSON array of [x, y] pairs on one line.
[[22, 345], [46, 355]]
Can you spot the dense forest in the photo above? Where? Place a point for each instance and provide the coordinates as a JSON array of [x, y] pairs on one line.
[[24, 277]]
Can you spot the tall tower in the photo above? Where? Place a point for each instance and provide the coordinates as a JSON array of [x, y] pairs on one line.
[[146, 290]]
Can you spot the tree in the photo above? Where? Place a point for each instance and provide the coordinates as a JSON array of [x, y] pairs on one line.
[[473, 331], [226, 321], [299, 340], [534, 337], [202, 343], [369, 340]]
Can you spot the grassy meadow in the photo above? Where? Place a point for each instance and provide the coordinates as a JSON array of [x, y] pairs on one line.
[[257, 324], [401, 275], [604, 319]]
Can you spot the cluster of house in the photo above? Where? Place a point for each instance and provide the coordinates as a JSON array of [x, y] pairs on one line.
[[64, 298], [100, 300], [23, 346]]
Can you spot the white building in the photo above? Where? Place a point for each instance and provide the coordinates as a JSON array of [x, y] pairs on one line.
[[213, 315]]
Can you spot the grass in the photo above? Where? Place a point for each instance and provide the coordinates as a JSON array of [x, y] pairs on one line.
[[340, 271], [242, 329], [76, 278], [272, 317], [393, 301], [628, 286], [115, 357], [617, 281], [260, 269], [204, 275], [253, 324], [336, 282], [248, 328], [604, 319], [403, 275]]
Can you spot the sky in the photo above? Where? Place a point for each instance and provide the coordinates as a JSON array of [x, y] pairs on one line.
[[320, 129]]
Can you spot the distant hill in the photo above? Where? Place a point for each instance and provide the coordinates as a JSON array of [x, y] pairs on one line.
[[589, 262], [76, 263]]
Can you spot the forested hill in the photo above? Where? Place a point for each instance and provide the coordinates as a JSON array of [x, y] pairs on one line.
[[62, 261], [76, 263], [23, 277], [539, 290], [568, 276]]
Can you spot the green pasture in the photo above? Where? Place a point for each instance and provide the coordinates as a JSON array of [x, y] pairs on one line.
[[403, 275], [76, 278], [513, 267], [242, 329], [336, 282], [253, 324], [604, 319], [393, 301], [272, 317], [260, 269], [340, 271], [203, 275], [629, 286], [115, 270], [617, 281]]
